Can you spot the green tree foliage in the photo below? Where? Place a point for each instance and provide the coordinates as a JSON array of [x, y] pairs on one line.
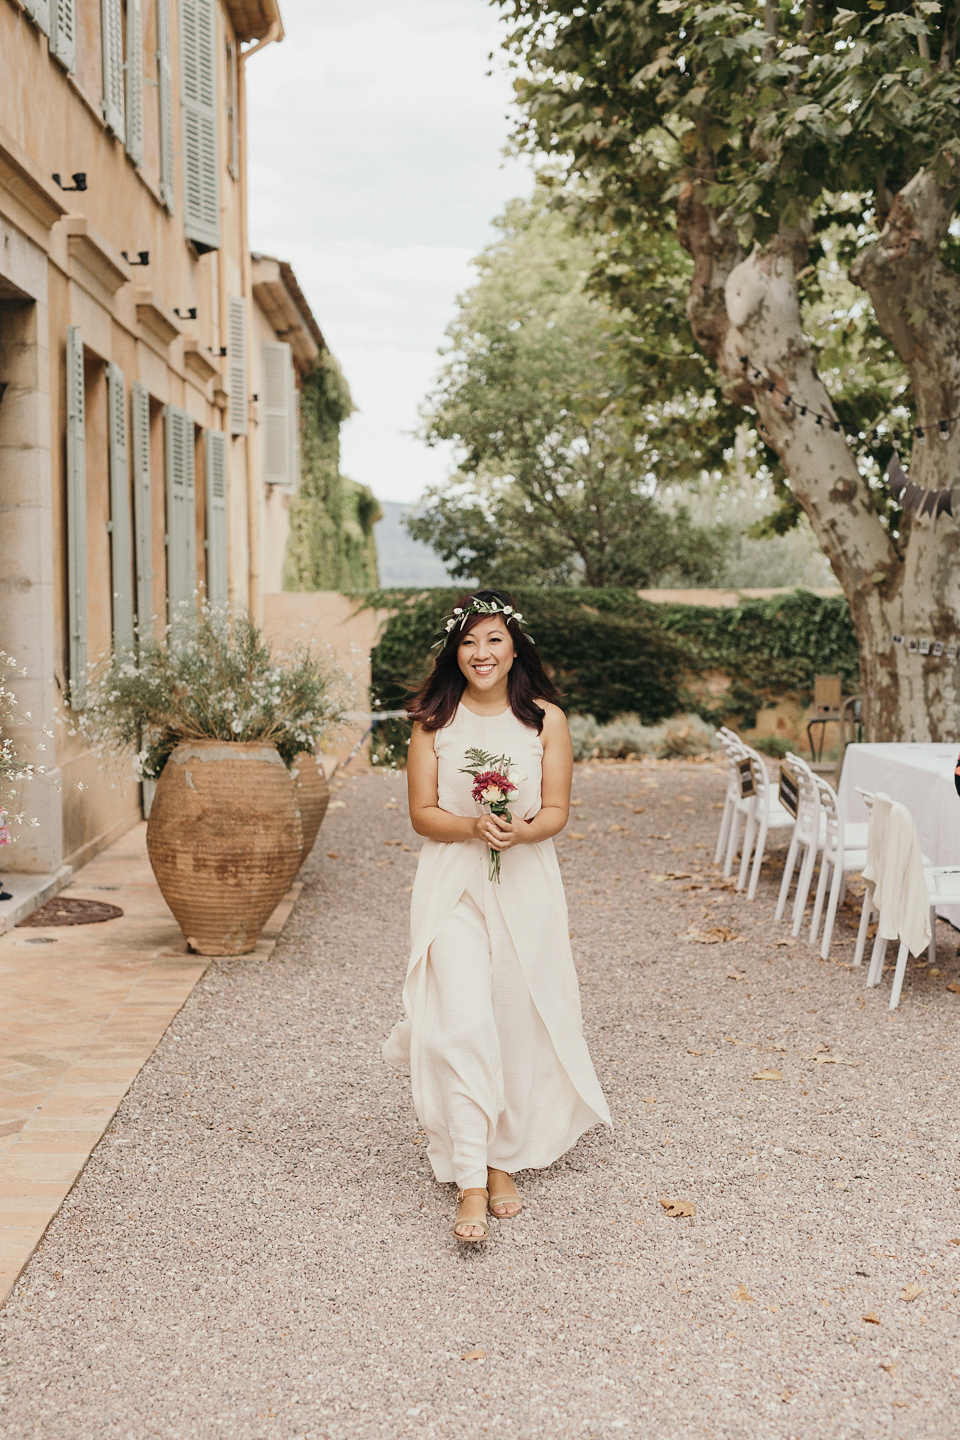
[[330, 545], [559, 463]]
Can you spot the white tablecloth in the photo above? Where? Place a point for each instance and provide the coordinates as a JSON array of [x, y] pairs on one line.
[[920, 777]]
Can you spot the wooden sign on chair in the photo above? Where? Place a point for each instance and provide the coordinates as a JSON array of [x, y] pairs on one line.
[[748, 783], [789, 789]]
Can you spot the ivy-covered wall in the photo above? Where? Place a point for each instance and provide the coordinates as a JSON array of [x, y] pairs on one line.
[[612, 652], [330, 545]]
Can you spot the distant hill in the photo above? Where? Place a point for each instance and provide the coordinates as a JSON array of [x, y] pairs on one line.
[[402, 560]]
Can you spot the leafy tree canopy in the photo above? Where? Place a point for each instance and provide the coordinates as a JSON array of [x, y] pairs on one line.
[[562, 432]]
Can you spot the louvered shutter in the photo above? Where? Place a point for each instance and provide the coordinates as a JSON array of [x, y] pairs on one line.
[[142, 521], [198, 95], [181, 513], [121, 542], [294, 436], [275, 387], [39, 11], [134, 115], [76, 517], [165, 102], [216, 478], [63, 32], [233, 113], [237, 363], [111, 44]]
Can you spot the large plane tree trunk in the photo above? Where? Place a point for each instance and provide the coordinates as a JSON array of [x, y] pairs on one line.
[[747, 305]]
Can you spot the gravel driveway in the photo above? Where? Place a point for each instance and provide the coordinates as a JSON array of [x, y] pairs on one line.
[[257, 1248]]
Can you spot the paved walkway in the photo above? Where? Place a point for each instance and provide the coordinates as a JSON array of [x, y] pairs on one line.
[[256, 1247], [81, 1009]]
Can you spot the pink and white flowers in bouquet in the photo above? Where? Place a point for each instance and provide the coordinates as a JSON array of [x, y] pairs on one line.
[[496, 781]]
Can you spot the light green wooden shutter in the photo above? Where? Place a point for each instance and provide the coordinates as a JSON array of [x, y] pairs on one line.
[[142, 522], [216, 478], [181, 513], [76, 517], [39, 12], [276, 398], [198, 97], [121, 546], [134, 115], [63, 32], [233, 114], [237, 363], [165, 102], [111, 44]]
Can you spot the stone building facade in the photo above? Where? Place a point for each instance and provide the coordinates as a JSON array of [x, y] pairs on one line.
[[148, 365]]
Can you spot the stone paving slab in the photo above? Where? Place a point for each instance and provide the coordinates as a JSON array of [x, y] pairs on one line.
[[82, 1007]]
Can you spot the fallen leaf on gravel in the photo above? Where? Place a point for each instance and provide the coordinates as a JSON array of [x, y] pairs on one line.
[[649, 1099], [934, 970], [732, 975], [617, 827], [678, 1209], [831, 1060], [474, 1355], [337, 805], [954, 1242], [679, 875], [639, 810], [789, 944], [332, 855], [742, 1296], [700, 1052], [911, 1291], [716, 935], [901, 1404], [768, 1075], [887, 1365], [576, 835], [871, 1318], [954, 989]]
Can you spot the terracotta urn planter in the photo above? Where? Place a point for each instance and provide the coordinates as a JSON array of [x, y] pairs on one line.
[[313, 797], [225, 840]]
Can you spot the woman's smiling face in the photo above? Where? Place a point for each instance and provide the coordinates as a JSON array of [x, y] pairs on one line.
[[486, 653]]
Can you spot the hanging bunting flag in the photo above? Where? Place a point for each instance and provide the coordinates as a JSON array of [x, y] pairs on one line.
[[915, 497]]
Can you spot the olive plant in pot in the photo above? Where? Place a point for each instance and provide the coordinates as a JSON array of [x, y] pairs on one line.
[[228, 730]]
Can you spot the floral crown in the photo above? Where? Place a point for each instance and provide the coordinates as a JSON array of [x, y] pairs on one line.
[[462, 613]]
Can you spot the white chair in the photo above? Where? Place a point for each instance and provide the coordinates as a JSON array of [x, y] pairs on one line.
[[804, 842], [739, 804], [729, 743], [763, 813], [837, 861], [868, 909], [809, 838]]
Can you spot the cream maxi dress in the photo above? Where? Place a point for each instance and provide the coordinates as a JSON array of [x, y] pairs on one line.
[[500, 1071]]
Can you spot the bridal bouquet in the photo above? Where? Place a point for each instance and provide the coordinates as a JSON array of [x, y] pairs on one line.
[[495, 782]]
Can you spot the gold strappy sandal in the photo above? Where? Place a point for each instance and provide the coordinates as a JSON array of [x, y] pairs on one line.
[[505, 1200], [481, 1224]]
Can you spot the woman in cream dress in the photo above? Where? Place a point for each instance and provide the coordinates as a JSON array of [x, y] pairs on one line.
[[501, 1076]]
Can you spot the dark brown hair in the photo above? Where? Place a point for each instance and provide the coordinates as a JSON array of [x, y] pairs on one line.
[[435, 703]]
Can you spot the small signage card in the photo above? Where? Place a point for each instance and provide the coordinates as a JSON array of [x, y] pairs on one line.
[[789, 789]]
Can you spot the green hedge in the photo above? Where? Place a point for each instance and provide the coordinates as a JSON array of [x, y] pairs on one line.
[[611, 652]]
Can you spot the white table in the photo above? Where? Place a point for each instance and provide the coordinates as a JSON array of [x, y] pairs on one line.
[[921, 778]]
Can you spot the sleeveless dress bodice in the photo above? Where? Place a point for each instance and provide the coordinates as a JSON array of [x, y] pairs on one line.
[[498, 735]]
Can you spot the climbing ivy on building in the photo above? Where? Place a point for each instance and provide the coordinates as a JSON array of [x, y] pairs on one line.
[[331, 545]]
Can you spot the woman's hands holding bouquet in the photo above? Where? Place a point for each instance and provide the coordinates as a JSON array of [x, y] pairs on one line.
[[500, 833]]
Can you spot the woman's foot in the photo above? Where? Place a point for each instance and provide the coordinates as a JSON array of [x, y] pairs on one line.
[[471, 1221], [505, 1199]]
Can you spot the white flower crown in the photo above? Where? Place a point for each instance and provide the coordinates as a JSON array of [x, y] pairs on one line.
[[462, 613]]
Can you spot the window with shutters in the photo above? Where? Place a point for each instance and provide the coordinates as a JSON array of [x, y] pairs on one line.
[[198, 98], [63, 32], [111, 41], [181, 513], [215, 447], [39, 12], [276, 398], [121, 539], [237, 363], [76, 516], [134, 87], [165, 103], [142, 525]]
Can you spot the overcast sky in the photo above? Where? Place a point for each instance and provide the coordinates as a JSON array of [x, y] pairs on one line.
[[376, 167]]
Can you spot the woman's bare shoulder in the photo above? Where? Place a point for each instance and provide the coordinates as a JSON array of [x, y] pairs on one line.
[[553, 717]]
